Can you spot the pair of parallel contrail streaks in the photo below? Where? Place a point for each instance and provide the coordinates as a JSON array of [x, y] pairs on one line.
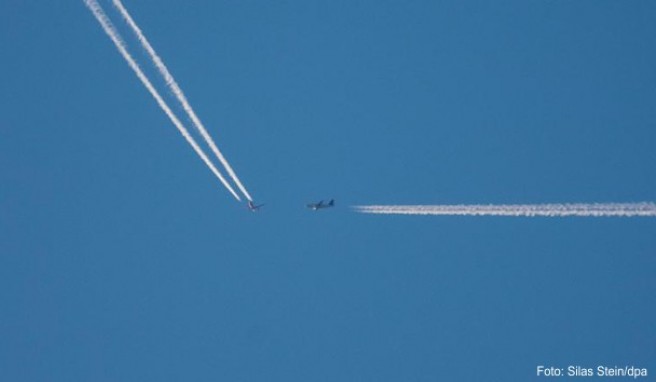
[[113, 34], [525, 210], [175, 89]]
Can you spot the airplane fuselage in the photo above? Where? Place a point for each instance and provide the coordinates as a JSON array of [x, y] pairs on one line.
[[319, 205]]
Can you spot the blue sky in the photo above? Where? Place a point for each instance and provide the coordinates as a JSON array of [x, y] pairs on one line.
[[123, 258]]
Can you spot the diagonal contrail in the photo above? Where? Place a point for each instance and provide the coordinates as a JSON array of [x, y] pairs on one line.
[[526, 210], [108, 27], [175, 89]]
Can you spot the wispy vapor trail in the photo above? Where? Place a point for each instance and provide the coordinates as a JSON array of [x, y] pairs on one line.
[[527, 210], [175, 89], [108, 27]]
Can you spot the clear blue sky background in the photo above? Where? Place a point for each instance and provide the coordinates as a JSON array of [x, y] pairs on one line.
[[123, 259]]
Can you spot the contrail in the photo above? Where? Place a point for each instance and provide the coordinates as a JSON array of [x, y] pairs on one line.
[[175, 89], [526, 210], [108, 27]]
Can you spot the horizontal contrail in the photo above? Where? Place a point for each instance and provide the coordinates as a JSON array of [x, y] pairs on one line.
[[175, 89], [526, 210], [108, 27]]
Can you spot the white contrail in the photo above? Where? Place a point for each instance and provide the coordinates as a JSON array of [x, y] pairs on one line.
[[108, 27], [175, 89], [527, 210]]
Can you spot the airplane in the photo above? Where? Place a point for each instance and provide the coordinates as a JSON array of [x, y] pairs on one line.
[[319, 205], [253, 207]]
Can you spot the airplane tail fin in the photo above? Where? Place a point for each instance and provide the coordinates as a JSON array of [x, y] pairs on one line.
[[331, 202]]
